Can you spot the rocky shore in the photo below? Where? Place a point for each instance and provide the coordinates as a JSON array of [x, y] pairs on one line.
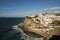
[[41, 26]]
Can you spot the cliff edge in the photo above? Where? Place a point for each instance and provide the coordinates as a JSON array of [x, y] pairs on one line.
[[41, 25]]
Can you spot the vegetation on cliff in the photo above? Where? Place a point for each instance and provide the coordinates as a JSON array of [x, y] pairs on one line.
[[45, 25]]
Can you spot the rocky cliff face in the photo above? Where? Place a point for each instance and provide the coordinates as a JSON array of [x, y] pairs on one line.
[[41, 25]]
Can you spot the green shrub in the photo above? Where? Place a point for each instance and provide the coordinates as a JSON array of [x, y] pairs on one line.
[[56, 22]]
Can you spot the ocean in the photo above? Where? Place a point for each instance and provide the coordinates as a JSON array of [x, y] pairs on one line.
[[10, 21], [6, 27]]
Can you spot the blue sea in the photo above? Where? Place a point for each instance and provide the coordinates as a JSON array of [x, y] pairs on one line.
[[10, 21], [6, 28], [7, 32]]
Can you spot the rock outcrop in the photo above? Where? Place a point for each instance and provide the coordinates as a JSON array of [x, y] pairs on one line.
[[41, 25]]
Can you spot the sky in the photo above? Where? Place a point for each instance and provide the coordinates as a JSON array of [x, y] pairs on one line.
[[21, 8]]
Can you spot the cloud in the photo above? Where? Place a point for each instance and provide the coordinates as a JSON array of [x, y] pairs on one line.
[[54, 8]]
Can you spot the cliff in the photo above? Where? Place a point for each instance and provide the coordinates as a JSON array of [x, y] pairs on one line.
[[41, 25]]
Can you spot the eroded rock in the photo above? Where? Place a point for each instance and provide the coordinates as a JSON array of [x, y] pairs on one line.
[[42, 25]]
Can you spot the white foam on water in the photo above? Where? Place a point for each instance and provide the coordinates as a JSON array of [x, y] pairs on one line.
[[14, 27], [23, 34]]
